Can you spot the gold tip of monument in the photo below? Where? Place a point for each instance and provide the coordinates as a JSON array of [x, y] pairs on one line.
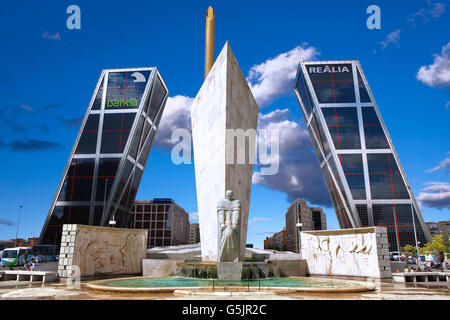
[[209, 43], [210, 12]]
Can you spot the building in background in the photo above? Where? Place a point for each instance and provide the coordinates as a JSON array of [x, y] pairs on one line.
[[277, 241], [32, 242], [361, 169], [102, 175], [167, 222], [194, 234], [441, 227], [299, 217], [319, 219]]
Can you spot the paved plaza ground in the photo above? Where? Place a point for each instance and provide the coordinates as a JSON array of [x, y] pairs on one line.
[[60, 291]]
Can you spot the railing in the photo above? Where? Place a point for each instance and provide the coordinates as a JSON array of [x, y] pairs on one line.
[[216, 286]]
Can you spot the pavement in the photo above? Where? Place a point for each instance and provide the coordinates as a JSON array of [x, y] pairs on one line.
[[49, 266], [62, 291]]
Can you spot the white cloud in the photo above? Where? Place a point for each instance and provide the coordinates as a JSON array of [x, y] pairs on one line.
[[435, 195], [299, 174], [444, 164], [193, 216], [433, 10], [27, 108], [391, 38], [177, 114], [274, 77], [49, 36], [260, 219], [438, 73]]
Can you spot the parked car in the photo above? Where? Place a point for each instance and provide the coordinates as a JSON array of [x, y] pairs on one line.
[[412, 261], [40, 259]]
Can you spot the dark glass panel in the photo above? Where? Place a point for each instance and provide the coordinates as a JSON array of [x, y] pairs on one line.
[[116, 128], [137, 138], [126, 172], [343, 126], [315, 145], [363, 94], [375, 138], [158, 95], [404, 215], [98, 98], [385, 179], [70, 215], [332, 83], [354, 173], [98, 214], [304, 93], [406, 236], [315, 122], [363, 215], [383, 215], [392, 239], [63, 215], [146, 148], [78, 182], [125, 89], [88, 139], [145, 131], [107, 170], [338, 205], [134, 186]]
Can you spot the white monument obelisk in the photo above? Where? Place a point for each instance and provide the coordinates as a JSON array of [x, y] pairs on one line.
[[223, 105]]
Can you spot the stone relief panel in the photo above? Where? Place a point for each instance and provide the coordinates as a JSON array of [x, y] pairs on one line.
[[105, 251], [351, 252]]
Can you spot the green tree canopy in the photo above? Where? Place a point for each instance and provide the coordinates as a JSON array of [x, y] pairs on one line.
[[437, 245], [411, 250]]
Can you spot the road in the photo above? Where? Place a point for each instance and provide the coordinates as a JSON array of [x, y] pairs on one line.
[[49, 266]]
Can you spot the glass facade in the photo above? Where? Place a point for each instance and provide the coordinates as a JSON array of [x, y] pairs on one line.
[[105, 168], [360, 167]]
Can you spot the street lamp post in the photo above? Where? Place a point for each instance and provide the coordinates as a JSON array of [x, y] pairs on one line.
[[418, 258], [18, 221]]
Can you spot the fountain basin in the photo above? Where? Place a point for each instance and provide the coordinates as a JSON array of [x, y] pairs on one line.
[[209, 270], [193, 286]]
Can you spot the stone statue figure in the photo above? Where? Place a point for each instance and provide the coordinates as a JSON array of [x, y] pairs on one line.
[[228, 216]]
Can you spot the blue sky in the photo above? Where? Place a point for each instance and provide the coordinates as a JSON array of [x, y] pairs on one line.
[[48, 73]]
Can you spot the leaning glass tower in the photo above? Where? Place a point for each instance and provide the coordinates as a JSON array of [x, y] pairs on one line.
[[361, 169], [102, 175]]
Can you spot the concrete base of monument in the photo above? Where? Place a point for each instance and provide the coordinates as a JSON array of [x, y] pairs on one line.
[[229, 271], [185, 260]]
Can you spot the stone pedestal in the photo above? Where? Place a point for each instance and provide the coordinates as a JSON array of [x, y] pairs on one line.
[[224, 102], [229, 271]]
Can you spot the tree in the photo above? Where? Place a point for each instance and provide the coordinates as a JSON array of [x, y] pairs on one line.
[[411, 250], [438, 244]]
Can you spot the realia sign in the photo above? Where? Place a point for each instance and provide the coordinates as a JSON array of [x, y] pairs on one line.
[[328, 69]]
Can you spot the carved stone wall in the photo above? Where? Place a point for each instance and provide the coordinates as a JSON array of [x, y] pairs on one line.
[[101, 251], [361, 252]]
